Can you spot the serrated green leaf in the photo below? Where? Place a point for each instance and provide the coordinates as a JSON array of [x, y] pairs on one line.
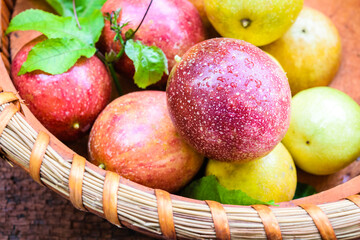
[[150, 62], [50, 25], [84, 8], [93, 24], [208, 188], [56, 55], [62, 7]]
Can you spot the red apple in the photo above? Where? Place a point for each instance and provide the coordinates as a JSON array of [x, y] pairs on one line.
[[66, 104], [134, 136], [172, 25], [229, 100]]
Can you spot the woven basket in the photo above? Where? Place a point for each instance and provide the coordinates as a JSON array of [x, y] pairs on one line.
[[331, 214]]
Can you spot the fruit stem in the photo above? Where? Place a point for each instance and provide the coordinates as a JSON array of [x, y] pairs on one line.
[[142, 20], [115, 78], [75, 14], [177, 58], [102, 166], [111, 70], [117, 28], [76, 125], [245, 22]]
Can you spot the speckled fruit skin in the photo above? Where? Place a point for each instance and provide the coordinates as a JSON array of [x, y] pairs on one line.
[[172, 25], [229, 100], [134, 136], [60, 101]]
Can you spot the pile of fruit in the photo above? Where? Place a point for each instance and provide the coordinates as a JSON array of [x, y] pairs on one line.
[[215, 100]]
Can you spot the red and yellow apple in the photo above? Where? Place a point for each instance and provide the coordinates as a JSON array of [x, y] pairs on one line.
[[66, 104], [172, 25], [134, 136]]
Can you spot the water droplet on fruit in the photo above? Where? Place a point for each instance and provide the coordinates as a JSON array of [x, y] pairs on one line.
[[233, 85], [230, 68], [221, 79], [217, 60], [258, 83], [249, 63], [251, 79]]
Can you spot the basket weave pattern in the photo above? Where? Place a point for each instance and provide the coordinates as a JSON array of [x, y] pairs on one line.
[[151, 211]]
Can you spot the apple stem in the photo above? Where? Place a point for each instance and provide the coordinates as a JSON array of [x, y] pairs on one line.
[[75, 14], [102, 166], [177, 58], [142, 20], [111, 70], [109, 58], [115, 78], [76, 125], [245, 22]]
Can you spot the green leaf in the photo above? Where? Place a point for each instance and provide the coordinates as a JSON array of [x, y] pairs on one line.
[[150, 62], [51, 26], [56, 55], [303, 190], [208, 188], [66, 42], [92, 24], [84, 8], [62, 7]]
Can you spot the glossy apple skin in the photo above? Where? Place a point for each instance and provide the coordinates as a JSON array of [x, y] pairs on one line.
[[172, 25], [134, 136], [229, 100], [62, 101]]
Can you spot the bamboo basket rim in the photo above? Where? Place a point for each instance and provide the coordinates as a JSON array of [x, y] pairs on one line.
[[137, 207]]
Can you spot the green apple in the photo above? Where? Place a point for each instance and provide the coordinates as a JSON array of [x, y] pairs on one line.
[[258, 22], [310, 51], [324, 132], [272, 177]]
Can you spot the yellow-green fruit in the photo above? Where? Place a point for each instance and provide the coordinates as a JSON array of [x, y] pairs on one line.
[[324, 132], [259, 22], [309, 52], [272, 177]]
